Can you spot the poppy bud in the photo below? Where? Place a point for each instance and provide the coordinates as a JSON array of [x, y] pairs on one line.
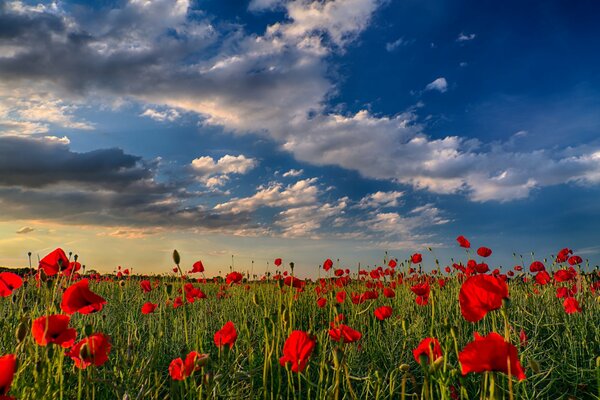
[[404, 368], [21, 332], [176, 257], [535, 366], [437, 364], [88, 330], [121, 283]]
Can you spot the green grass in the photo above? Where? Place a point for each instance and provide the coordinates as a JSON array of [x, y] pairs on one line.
[[563, 349]]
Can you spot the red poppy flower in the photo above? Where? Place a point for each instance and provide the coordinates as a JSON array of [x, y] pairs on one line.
[[8, 283], [563, 255], [484, 251], [565, 275], [537, 266], [383, 312], [197, 267], [54, 262], [294, 282], [463, 242], [542, 278], [146, 286], [327, 264], [416, 258], [490, 353], [344, 333], [179, 369], [53, 329], [79, 298], [8, 365], [233, 277], [226, 335], [178, 302], [149, 308], [297, 349], [430, 348], [574, 260], [93, 349], [571, 305], [340, 297], [277, 262], [321, 302], [389, 293], [392, 264], [482, 268], [480, 294]]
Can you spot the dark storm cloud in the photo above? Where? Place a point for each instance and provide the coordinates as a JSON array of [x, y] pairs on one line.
[[46, 180], [36, 163]]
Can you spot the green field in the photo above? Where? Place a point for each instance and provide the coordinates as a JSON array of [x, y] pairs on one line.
[[560, 357]]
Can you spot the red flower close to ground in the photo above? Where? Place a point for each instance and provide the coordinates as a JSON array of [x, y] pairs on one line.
[[571, 305], [344, 333], [54, 262], [340, 297], [327, 264], [233, 277], [297, 350], [79, 298], [197, 267], [277, 262], [93, 349], [8, 365], [542, 278], [8, 283], [463, 242], [179, 369], [383, 312], [480, 294], [490, 353], [484, 251], [430, 348], [149, 308], [53, 329], [321, 302], [227, 335], [389, 293], [146, 286], [416, 258]]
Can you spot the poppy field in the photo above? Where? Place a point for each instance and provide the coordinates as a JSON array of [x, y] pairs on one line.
[[418, 328]]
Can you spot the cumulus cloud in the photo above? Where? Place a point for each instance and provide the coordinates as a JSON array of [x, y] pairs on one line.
[[439, 84], [381, 199], [216, 173], [275, 84]]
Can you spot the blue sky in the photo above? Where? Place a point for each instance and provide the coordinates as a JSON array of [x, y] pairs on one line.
[[298, 129]]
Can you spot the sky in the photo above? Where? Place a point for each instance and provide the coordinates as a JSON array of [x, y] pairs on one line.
[[241, 131]]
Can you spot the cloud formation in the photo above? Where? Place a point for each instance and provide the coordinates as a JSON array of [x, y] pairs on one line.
[[275, 84]]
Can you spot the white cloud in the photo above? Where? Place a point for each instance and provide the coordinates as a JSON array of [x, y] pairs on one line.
[[293, 173], [465, 37], [439, 84], [391, 46], [381, 199], [306, 220], [300, 193], [161, 116], [216, 173]]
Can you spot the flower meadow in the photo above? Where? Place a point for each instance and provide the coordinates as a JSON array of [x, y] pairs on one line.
[[404, 329]]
